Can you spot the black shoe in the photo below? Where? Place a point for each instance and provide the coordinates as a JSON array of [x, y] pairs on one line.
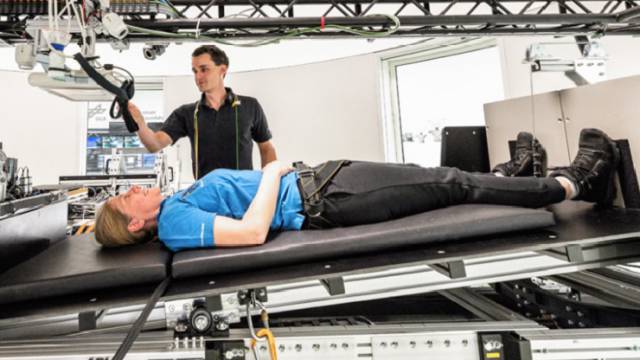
[[525, 158], [594, 168]]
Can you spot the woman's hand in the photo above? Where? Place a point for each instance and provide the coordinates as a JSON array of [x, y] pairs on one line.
[[278, 167]]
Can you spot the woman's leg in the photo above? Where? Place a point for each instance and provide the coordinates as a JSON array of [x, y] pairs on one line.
[[365, 192]]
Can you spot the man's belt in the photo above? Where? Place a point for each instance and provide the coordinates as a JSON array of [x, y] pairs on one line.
[[311, 182]]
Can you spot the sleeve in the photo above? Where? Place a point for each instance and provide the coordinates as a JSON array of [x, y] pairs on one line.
[[260, 131], [175, 126], [187, 228]]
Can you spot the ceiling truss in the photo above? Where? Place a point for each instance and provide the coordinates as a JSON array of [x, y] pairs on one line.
[[253, 19]]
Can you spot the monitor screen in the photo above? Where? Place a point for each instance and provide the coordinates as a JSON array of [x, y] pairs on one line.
[[94, 141], [109, 142], [100, 162], [132, 142], [148, 160]]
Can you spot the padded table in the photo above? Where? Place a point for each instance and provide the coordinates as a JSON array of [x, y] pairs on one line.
[[80, 264], [448, 224]]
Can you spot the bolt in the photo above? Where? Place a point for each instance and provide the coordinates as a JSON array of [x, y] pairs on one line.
[[465, 342], [263, 348], [281, 348], [568, 308], [201, 323], [298, 347], [383, 344], [345, 346], [429, 343], [412, 344], [261, 293], [579, 313], [394, 344], [333, 346], [447, 343], [316, 347]]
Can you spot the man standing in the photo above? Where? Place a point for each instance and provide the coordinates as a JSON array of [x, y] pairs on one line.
[[221, 125]]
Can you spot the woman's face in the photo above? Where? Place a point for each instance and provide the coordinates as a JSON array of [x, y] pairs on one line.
[[139, 203]]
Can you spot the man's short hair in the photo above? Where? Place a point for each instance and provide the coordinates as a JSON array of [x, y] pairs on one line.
[[217, 55]]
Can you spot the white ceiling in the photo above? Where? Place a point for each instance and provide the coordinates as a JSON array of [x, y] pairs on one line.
[[177, 58]]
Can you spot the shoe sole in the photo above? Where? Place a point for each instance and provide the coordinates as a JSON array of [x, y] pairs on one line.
[[611, 181]]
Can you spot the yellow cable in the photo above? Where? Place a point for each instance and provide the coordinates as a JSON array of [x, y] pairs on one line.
[[271, 340], [81, 229], [195, 125]]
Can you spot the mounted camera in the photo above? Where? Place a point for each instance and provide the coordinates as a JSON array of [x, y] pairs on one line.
[[151, 51]]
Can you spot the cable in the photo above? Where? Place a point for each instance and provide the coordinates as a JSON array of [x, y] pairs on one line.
[[134, 331], [288, 34], [271, 340]]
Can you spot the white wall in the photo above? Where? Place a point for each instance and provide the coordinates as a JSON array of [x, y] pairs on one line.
[[41, 130], [316, 112]]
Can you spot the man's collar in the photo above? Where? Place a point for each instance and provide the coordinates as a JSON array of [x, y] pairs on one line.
[[227, 100]]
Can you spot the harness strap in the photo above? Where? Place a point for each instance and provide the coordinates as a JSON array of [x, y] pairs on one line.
[[311, 182]]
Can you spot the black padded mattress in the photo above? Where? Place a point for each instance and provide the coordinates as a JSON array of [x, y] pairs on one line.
[[448, 224], [80, 264]]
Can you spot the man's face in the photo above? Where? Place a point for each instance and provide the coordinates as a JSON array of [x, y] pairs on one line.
[[139, 203], [207, 74]]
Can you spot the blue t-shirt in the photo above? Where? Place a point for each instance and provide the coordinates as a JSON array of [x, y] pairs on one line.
[[186, 219]]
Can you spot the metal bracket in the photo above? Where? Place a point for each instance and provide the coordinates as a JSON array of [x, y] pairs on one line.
[[334, 286], [248, 295], [571, 253], [214, 303], [452, 269], [87, 321]]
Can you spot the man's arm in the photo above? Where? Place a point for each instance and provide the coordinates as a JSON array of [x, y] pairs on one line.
[[267, 152], [253, 228], [154, 141]]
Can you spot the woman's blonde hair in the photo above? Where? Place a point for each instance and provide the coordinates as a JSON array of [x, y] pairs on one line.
[[111, 228]]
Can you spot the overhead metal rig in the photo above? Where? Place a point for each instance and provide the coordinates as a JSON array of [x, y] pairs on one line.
[[193, 20]]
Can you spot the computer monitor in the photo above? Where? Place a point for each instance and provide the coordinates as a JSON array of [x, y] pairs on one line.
[[94, 141], [110, 142], [132, 142], [148, 160]]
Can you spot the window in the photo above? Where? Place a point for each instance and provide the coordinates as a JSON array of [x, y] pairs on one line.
[[446, 85]]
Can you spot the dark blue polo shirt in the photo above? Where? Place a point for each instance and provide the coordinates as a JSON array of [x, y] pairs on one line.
[[217, 132]]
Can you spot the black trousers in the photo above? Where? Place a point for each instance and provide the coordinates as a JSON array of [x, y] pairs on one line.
[[367, 192]]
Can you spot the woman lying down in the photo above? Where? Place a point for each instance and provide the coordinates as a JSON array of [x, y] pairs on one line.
[[239, 207]]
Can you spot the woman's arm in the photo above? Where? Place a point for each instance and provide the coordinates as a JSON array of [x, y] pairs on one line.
[[253, 228]]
